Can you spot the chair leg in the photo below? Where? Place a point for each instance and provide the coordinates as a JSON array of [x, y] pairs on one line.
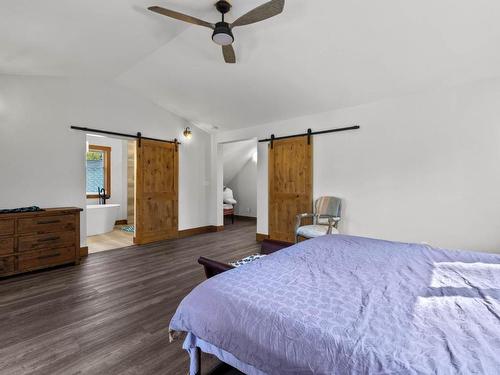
[[232, 218]]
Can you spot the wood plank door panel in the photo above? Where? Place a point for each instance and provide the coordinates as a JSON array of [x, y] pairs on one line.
[[290, 185], [156, 204]]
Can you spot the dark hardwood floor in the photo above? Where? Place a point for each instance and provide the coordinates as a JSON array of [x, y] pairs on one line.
[[110, 314]]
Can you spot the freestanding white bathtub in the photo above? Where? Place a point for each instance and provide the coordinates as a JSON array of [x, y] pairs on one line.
[[101, 218]]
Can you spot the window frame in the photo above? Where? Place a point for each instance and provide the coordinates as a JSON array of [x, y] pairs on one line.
[[107, 168]]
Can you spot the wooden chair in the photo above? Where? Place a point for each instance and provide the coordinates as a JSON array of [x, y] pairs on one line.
[[229, 203], [229, 211], [326, 216]]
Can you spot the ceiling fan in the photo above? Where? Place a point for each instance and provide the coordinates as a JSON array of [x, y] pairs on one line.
[[222, 31]]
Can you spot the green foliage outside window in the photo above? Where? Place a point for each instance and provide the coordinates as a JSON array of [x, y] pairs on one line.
[[94, 155]]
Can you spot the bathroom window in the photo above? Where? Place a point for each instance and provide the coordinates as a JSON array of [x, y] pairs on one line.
[[98, 170]]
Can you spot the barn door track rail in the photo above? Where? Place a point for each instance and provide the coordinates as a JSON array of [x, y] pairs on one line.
[[137, 136], [309, 134]]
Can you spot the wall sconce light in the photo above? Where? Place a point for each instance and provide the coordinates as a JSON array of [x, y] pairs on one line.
[[188, 133]]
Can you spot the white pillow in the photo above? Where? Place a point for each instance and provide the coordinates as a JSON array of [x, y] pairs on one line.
[[228, 196]]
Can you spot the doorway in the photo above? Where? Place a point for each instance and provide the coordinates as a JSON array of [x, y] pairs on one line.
[[132, 191], [110, 187], [239, 181]]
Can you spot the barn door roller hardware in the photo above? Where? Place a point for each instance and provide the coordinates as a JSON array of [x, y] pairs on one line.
[[137, 136], [309, 134]]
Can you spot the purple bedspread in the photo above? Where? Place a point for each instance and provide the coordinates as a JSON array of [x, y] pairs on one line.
[[350, 305]]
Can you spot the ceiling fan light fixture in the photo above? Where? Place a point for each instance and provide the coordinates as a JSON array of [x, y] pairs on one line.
[[222, 35], [222, 31]]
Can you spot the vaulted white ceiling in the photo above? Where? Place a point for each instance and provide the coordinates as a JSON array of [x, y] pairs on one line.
[[317, 56]]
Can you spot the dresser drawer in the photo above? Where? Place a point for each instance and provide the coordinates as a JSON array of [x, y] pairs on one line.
[[44, 258], [6, 226], [46, 241], [46, 224], [6, 265], [6, 246]]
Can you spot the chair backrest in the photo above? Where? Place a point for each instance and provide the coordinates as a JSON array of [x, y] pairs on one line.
[[228, 197], [328, 206]]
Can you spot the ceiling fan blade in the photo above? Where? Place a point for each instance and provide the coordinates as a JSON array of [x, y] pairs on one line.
[[261, 13], [228, 53], [181, 17]]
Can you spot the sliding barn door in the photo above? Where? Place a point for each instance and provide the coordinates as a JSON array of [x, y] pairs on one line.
[[156, 211], [290, 185]]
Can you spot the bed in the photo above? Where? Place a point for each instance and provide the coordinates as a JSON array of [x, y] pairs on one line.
[[349, 305]]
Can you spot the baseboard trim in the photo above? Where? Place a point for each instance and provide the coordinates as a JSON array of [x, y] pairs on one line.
[[84, 251], [261, 237], [200, 230], [241, 217], [121, 222]]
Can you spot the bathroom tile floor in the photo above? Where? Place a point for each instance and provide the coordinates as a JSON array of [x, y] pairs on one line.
[[108, 241]]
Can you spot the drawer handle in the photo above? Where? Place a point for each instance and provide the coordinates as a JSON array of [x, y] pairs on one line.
[[48, 239], [49, 256], [49, 222]]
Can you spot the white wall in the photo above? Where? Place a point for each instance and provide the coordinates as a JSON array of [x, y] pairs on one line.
[[423, 168], [43, 161], [235, 156], [118, 172], [244, 186]]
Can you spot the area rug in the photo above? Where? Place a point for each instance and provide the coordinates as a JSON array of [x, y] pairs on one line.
[[128, 228]]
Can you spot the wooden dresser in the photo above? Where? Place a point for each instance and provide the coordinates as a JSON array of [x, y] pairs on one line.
[[35, 240]]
